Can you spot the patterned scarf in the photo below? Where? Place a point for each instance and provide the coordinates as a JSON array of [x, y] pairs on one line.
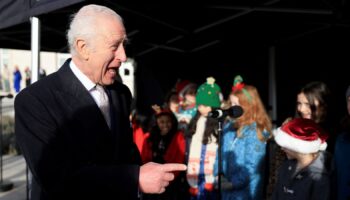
[[193, 169]]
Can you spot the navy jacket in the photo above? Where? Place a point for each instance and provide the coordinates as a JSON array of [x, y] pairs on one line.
[[68, 145], [310, 183]]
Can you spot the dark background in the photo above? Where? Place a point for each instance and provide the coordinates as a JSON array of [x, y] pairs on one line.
[[196, 39]]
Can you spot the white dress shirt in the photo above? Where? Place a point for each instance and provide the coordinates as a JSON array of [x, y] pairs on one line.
[[96, 91]]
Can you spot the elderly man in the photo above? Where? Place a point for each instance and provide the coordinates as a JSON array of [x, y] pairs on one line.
[[73, 126]]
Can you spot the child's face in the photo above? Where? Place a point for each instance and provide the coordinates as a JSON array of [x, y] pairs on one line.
[[174, 106], [190, 95], [204, 110], [174, 103], [290, 154], [164, 123], [234, 100], [303, 106]]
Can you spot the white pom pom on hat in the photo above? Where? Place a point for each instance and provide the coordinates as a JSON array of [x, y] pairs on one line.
[[301, 135]]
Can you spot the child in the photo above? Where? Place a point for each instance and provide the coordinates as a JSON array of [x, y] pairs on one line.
[[140, 127], [306, 173], [244, 145], [313, 102], [172, 102], [203, 144], [164, 144], [187, 102]]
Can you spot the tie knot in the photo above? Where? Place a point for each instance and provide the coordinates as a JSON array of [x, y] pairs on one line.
[[102, 95], [100, 88]]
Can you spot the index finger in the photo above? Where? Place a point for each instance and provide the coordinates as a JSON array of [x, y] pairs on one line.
[[169, 167]]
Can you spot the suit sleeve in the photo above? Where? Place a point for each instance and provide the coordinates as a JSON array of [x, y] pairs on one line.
[[50, 161]]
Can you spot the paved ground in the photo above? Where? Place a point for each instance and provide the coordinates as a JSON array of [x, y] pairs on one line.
[[14, 171], [14, 167]]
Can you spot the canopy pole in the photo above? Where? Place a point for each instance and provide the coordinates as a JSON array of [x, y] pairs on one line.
[[35, 48], [272, 84]]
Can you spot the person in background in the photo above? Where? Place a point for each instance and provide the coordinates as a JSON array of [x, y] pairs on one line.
[[140, 126], [244, 145], [203, 144], [73, 126], [6, 78], [28, 76], [165, 143], [1, 83], [17, 77], [306, 174], [313, 102], [341, 154], [187, 103], [172, 102]]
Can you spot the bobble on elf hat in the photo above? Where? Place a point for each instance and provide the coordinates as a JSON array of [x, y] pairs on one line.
[[208, 94], [238, 85], [302, 136]]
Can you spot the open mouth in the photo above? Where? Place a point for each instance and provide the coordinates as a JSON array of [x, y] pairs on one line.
[[112, 71]]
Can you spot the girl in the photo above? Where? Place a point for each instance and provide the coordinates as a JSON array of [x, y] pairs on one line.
[[187, 103], [244, 145], [313, 102], [165, 144], [203, 143]]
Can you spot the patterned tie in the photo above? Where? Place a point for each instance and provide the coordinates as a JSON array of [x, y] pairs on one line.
[[103, 104]]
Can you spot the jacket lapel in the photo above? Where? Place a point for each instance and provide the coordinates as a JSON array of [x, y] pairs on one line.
[[79, 99]]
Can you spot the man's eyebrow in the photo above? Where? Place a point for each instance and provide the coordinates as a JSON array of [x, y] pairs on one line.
[[126, 41], [117, 41]]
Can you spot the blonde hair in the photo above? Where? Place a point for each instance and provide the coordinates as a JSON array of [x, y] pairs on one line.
[[254, 111]]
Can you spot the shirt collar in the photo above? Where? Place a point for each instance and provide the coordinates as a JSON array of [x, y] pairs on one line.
[[88, 84]]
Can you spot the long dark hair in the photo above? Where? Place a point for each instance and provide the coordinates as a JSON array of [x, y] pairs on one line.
[[211, 128], [317, 91], [155, 135]]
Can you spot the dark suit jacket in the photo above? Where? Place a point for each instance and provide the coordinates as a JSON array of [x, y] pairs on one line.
[[68, 145]]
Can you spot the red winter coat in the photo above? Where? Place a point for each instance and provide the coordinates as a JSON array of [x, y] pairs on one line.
[[175, 152]]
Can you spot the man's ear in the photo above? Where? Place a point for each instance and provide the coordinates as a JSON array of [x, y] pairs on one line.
[[82, 48]]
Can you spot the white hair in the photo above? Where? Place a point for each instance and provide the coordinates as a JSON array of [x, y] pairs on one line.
[[83, 23]]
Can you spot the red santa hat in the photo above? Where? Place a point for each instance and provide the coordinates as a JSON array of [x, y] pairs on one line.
[[301, 135], [182, 86]]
